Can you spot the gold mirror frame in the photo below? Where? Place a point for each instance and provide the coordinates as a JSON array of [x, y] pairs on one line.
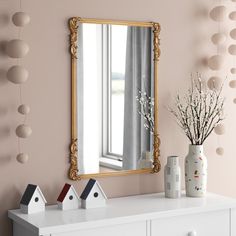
[[73, 26]]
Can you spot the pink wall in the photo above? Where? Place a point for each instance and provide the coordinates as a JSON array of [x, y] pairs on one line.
[[48, 94]]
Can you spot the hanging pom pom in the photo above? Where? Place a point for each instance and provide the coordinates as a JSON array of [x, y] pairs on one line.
[[22, 158], [232, 16], [220, 151], [23, 131], [233, 34], [218, 13], [233, 70], [232, 49], [214, 83], [216, 62], [220, 129], [232, 84], [17, 74], [20, 19], [218, 38], [17, 48], [24, 109]]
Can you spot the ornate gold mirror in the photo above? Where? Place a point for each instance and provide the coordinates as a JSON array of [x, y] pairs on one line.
[[113, 98]]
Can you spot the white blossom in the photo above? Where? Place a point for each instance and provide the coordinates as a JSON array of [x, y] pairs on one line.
[[146, 104], [199, 111]]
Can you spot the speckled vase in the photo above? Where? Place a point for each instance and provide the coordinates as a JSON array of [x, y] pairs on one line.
[[195, 172]]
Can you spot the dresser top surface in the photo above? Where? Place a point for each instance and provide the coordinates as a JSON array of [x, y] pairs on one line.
[[118, 210]]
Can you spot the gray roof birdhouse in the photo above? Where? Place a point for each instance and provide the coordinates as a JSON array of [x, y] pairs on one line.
[[32, 200], [93, 195]]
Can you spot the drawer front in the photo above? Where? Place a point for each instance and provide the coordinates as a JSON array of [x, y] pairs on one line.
[[137, 229], [204, 224], [233, 222]]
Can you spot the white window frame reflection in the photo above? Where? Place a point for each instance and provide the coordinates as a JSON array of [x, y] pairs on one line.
[[106, 104]]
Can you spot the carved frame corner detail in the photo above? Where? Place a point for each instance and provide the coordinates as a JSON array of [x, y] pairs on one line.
[[74, 26], [156, 41], [73, 171]]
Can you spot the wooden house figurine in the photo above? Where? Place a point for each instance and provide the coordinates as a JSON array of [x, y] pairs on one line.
[[93, 195], [68, 198], [32, 200]]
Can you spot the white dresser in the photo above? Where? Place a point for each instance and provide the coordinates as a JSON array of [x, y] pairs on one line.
[[142, 215]]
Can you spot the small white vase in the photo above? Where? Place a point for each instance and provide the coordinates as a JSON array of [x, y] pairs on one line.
[[172, 178], [195, 172], [146, 160]]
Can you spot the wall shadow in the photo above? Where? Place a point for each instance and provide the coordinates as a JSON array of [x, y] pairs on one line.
[[4, 20], [3, 77], [9, 199]]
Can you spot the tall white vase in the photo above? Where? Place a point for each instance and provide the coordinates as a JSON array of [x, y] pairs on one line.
[[172, 178], [196, 172]]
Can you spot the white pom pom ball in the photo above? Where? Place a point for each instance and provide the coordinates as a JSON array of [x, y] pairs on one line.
[[218, 38], [220, 151], [20, 19], [17, 74], [220, 129], [216, 62], [17, 48], [214, 83], [23, 131], [22, 158], [233, 34], [232, 16], [218, 13], [232, 49], [24, 109], [233, 70], [232, 84]]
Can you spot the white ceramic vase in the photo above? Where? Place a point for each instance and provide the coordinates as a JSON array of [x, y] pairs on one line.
[[146, 161], [195, 172], [172, 178]]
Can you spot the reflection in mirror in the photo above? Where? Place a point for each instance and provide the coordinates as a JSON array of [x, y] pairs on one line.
[[114, 65]]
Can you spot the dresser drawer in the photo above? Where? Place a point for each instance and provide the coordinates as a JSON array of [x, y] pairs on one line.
[[233, 222], [215, 223], [137, 229]]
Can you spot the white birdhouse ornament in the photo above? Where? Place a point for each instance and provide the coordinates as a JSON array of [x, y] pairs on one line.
[[93, 196], [32, 200], [68, 198]]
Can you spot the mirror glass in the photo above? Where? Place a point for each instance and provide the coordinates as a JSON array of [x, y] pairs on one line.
[[114, 86]]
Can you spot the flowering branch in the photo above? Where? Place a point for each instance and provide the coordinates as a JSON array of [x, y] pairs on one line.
[[146, 110], [199, 111]]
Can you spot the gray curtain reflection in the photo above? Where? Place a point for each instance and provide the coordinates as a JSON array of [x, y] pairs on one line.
[[138, 76]]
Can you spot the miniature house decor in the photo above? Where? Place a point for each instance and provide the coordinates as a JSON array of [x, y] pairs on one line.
[[32, 200], [68, 198], [93, 195]]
